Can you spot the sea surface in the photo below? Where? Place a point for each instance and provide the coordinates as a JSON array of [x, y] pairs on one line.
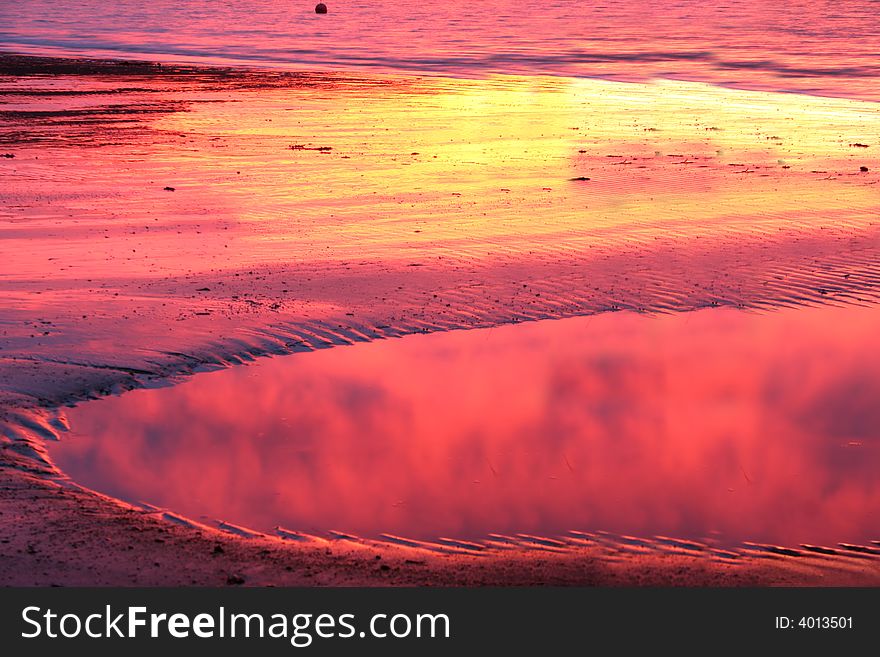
[[824, 48]]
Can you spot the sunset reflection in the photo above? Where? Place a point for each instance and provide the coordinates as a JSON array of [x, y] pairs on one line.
[[718, 425], [588, 280]]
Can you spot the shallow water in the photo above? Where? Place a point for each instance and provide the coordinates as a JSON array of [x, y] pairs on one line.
[[817, 47], [718, 425]]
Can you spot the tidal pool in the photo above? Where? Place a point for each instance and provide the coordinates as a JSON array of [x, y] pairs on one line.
[[719, 424]]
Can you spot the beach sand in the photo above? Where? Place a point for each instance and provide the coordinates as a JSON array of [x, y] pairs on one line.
[[158, 221]]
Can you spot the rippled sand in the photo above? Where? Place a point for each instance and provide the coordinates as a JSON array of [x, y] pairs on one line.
[[721, 428]]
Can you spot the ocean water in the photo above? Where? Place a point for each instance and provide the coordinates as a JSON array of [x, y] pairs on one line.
[[827, 48]]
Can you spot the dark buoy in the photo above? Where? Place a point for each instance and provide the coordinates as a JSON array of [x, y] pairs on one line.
[[321, 8]]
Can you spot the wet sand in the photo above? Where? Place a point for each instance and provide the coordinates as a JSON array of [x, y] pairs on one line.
[[66, 538], [158, 221]]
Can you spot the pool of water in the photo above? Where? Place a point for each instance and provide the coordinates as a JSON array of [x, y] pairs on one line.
[[717, 424]]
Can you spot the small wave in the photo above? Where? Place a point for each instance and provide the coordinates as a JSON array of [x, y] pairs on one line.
[[789, 47]]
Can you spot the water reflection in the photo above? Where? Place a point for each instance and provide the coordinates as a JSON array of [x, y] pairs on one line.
[[794, 45], [715, 424]]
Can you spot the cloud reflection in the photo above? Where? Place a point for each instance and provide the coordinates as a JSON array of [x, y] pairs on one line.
[[717, 423]]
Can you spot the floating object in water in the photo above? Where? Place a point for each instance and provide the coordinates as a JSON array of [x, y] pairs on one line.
[[321, 8]]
